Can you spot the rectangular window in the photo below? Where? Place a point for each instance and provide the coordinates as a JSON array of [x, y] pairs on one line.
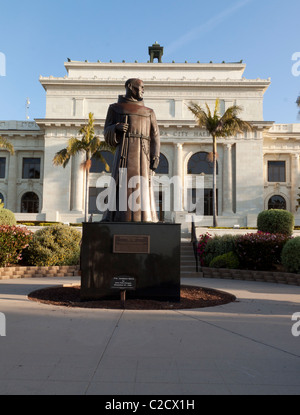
[[31, 168], [93, 194], [159, 202], [276, 171], [2, 167], [208, 201]]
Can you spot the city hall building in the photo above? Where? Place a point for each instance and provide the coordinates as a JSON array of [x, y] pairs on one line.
[[256, 170]]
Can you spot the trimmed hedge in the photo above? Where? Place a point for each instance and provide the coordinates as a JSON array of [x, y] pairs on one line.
[[7, 217], [276, 221], [54, 245], [291, 255]]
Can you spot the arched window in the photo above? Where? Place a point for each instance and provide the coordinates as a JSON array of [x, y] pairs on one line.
[[2, 198], [200, 163], [98, 166], [30, 203], [163, 167], [277, 202]]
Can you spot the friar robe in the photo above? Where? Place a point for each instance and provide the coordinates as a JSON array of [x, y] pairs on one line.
[[141, 149]]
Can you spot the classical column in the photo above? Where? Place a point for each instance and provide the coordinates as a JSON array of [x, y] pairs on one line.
[[227, 179], [77, 185], [178, 196], [178, 159], [295, 181], [12, 183]]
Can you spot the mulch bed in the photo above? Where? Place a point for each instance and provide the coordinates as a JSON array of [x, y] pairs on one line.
[[191, 297]]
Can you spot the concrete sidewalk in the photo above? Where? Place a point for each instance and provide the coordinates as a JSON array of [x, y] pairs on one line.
[[245, 347]]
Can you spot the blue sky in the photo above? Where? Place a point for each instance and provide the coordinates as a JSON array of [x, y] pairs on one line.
[[37, 37]]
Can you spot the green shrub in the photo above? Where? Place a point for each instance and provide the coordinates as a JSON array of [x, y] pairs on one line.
[[218, 245], [228, 260], [260, 251], [291, 255], [13, 240], [7, 217], [54, 245], [276, 221]]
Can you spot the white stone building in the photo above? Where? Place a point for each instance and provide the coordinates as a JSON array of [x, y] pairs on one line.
[[256, 170]]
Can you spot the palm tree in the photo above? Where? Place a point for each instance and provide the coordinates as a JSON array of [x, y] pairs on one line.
[[6, 145], [218, 126], [298, 103], [91, 146]]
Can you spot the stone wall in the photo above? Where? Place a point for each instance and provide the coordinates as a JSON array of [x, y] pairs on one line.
[[39, 272], [248, 275]]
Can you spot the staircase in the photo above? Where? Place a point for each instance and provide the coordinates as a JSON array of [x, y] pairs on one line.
[[188, 261]]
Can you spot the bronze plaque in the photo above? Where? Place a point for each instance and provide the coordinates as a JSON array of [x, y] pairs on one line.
[[131, 244]]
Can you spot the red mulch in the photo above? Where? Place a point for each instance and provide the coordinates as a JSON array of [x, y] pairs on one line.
[[191, 297]]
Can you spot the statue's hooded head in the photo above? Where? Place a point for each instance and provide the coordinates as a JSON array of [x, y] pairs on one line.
[[135, 89]]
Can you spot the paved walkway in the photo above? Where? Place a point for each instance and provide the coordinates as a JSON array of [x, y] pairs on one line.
[[246, 347]]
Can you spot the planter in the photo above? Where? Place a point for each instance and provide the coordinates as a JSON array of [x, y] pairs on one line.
[[249, 275], [39, 272]]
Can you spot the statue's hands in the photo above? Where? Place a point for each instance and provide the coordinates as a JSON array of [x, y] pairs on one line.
[[123, 127], [154, 163]]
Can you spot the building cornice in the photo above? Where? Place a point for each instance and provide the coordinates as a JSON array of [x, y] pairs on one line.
[[159, 83], [165, 124], [13, 125], [239, 66]]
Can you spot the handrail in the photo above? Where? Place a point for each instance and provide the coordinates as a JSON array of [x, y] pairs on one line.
[[195, 243]]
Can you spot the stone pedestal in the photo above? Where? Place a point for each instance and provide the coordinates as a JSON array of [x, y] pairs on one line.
[[146, 253]]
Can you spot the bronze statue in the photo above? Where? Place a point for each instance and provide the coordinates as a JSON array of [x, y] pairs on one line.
[[132, 128]]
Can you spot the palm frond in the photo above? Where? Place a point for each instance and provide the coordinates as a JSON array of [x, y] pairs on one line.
[[88, 131], [61, 158], [75, 146], [99, 156], [230, 124], [199, 113], [217, 108], [94, 144], [208, 110], [232, 111], [6, 145], [106, 147]]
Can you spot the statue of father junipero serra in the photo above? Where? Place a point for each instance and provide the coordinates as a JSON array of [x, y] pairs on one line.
[[132, 128]]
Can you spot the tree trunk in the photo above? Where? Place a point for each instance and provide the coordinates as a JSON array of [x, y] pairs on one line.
[[86, 205], [215, 222]]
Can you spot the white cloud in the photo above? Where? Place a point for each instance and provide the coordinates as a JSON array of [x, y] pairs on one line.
[[205, 27]]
